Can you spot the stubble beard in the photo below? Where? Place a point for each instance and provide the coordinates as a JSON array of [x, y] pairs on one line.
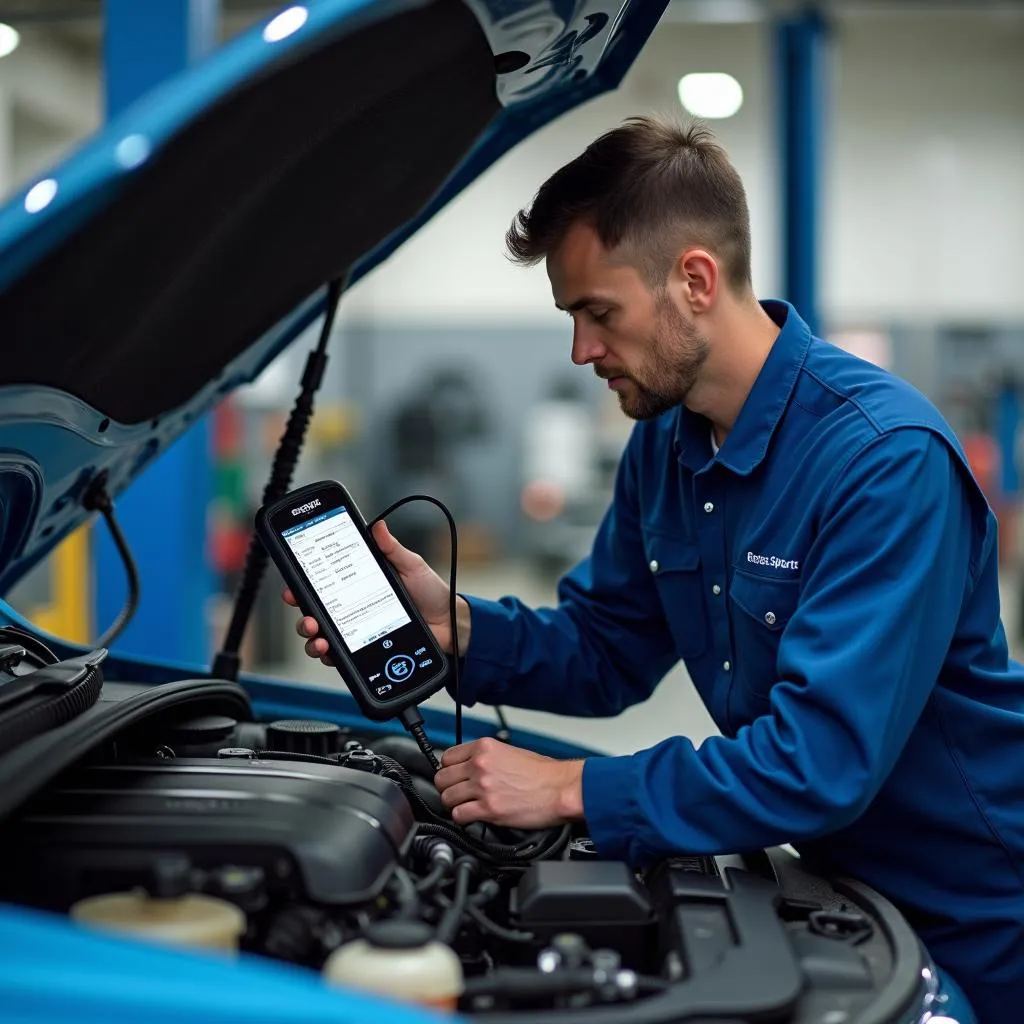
[[677, 353]]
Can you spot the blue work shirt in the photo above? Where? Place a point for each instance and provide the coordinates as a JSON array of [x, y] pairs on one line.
[[829, 579]]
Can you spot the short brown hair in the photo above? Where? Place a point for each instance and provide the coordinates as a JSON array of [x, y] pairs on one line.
[[648, 187]]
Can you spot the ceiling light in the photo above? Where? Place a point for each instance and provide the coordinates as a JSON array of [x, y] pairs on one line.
[[285, 24], [710, 94], [40, 195], [9, 39]]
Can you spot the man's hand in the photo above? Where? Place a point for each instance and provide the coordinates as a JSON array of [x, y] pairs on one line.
[[488, 780], [428, 591]]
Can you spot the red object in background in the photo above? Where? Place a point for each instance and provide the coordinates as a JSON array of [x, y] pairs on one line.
[[983, 457], [227, 431], [229, 544], [985, 460]]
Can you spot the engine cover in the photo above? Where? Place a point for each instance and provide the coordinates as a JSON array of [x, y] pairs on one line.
[[328, 834]]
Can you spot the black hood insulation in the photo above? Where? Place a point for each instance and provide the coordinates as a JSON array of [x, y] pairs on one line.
[[279, 188]]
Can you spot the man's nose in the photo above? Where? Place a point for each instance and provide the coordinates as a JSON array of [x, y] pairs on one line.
[[586, 347]]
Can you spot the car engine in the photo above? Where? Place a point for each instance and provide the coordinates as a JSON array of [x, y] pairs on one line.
[[324, 842]]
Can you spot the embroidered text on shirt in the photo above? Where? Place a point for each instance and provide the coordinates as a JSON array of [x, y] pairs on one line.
[[773, 561]]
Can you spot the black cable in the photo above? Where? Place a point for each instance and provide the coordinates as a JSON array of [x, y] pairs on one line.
[[431, 881], [504, 732], [448, 927], [452, 612], [497, 930], [227, 662], [397, 771], [32, 644], [501, 854], [407, 897], [97, 498], [413, 721]]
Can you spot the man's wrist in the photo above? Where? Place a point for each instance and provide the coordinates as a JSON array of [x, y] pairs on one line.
[[462, 624], [571, 792]]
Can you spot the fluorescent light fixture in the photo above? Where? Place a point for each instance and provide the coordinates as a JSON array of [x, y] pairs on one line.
[[286, 23], [9, 39], [711, 94], [40, 195], [713, 12]]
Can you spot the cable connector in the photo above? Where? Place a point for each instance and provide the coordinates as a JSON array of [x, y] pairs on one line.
[[97, 497], [413, 721], [434, 850]]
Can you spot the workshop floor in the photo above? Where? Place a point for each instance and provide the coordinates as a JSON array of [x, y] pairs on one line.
[[673, 709]]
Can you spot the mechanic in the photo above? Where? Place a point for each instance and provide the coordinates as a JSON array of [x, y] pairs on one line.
[[802, 530]]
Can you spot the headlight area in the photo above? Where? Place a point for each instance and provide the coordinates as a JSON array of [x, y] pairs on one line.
[[305, 843]]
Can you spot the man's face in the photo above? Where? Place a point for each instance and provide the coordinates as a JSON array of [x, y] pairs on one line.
[[636, 339]]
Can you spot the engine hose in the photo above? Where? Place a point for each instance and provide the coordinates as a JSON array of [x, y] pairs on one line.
[[407, 897], [495, 929], [449, 925], [433, 880]]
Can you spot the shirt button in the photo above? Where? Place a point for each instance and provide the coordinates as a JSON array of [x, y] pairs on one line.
[[726, 665], [769, 617], [716, 590], [654, 565], [708, 506]]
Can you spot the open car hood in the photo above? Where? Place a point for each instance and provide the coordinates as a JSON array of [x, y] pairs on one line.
[[173, 256]]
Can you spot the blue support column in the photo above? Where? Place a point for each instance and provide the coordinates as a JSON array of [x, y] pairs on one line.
[[1008, 422], [163, 513], [801, 87]]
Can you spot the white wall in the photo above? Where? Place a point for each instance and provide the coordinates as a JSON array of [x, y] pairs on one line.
[[923, 186]]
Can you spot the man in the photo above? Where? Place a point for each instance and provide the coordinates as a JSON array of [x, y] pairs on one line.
[[802, 530]]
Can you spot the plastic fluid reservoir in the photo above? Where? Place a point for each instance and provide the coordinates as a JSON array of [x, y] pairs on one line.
[[195, 921], [400, 959]]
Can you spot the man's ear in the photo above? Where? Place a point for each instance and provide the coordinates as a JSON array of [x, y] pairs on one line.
[[696, 278]]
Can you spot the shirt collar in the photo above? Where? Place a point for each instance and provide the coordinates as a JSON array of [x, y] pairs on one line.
[[748, 440]]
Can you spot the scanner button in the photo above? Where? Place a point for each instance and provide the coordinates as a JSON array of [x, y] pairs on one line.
[[399, 668]]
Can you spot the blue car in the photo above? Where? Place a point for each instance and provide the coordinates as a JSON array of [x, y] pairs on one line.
[[180, 846]]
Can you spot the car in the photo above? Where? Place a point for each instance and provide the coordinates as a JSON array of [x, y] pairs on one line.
[[216, 846]]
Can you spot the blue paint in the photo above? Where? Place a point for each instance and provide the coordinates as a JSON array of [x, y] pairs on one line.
[[163, 513], [800, 90]]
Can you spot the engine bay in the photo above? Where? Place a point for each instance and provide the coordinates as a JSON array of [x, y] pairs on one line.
[[328, 848]]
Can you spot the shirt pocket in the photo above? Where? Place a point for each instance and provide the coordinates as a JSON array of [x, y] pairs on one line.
[[674, 564], [762, 609]]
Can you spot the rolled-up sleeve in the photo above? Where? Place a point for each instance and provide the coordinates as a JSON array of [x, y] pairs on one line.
[[602, 648], [883, 586]]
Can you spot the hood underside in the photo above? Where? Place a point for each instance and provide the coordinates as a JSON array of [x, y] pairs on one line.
[[189, 243]]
